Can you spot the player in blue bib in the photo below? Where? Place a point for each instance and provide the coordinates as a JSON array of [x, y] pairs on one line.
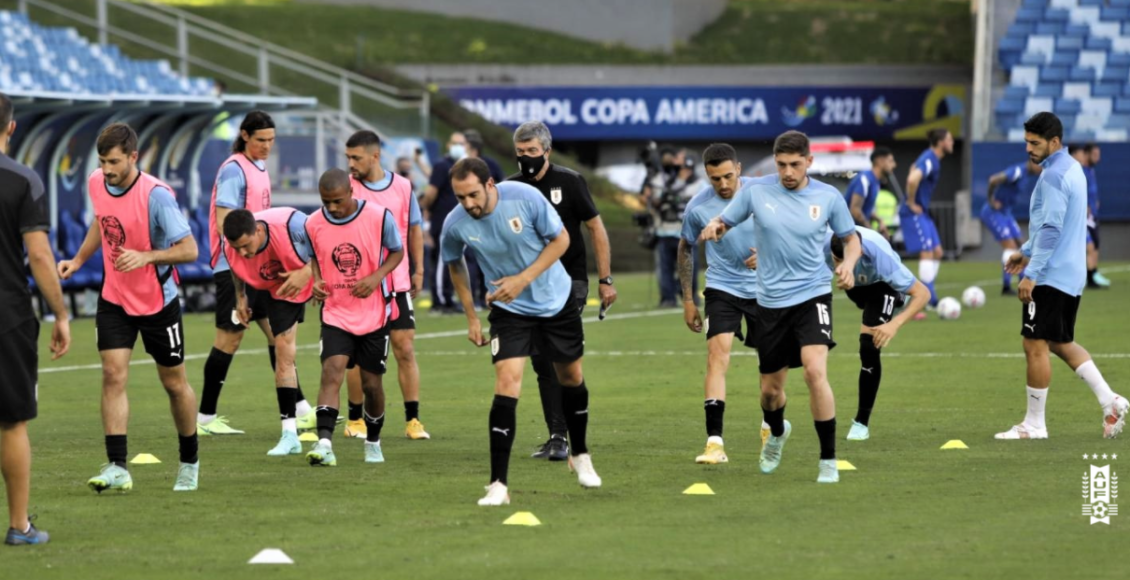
[[996, 215], [882, 283], [1054, 276], [518, 239], [794, 301], [731, 285], [920, 235]]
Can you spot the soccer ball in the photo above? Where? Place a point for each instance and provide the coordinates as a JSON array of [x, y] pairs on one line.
[[949, 308], [973, 297]]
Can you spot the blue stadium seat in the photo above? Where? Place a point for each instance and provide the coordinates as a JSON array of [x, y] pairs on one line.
[[1080, 73], [1122, 105], [1052, 28], [1067, 107], [1035, 4], [1036, 59], [1098, 43], [1011, 92], [1120, 3], [1029, 15], [1114, 13], [1065, 58], [1107, 89], [1077, 30], [1069, 43], [1118, 59], [1055, 73], [1049, 90], [1021, 29]]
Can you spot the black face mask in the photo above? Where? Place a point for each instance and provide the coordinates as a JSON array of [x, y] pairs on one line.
[[531, 166]]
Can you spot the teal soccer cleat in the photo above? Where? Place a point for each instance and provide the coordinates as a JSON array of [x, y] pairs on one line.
[[771, 452]]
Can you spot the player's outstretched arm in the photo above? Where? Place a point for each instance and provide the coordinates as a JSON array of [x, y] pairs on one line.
[[416, 250], [685, 268], [42, 263], [602, 249], [857, 211], [462, 284], [994, 182], [90, 244]]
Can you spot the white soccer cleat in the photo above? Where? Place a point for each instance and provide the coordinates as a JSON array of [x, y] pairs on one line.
[[497, 494], [586, 475], [1114, 417], [1023, 431]]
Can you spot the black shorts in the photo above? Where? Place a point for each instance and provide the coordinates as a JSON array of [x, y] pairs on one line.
[[370, 352], [781, 332], [19, 367], [161, 333], [225, 302], [560, 338], [1050, 315], [406, 319], [581, 294], [282, 315], [1093, 233], [725, 312], [879, 302]]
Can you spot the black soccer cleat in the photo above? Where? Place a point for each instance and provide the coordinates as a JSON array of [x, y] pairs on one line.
[[555, 449]]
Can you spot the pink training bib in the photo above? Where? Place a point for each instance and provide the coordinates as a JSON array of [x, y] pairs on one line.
[[262, 270], [397, 198], [257, 198]]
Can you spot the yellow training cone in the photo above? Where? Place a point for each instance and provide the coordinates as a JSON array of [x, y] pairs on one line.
[[843, 465], [425, 303], [955, 444], [522, 519], [308, 436], [593, 302], [143, 458], [698, 489]]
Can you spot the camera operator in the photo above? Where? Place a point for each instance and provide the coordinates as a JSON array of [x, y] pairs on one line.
[[665, 192]]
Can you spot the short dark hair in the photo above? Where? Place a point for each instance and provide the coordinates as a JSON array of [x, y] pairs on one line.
[[1090, 148], [334, 179], [6, 111], [791, 142], [1045, 124], [718, 153], [239, 223], [837, 246], [254, 121], [1073, 149], [474, 140], [935, 136], [879, 153], [468, 166], [364, 138], [117, 135]]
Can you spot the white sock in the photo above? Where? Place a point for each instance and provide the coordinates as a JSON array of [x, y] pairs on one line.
[[290, 425], [1094, 379], [326, 442], [302, 408], [928, 270], [714, 439], [1037, 398], [203, 419]]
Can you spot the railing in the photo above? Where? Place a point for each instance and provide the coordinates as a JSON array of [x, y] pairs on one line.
[[195, 44], [984, 57]]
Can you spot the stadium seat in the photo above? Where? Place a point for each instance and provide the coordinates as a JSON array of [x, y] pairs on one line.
[[1076, 90], [1053, 90], [1064, 107]]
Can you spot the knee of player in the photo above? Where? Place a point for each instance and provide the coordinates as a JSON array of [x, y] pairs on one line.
[[372, 385], [717, 359], [404, 350], [867, 346], [1035, 346], [228, 342], [114, 377], [814, 374]]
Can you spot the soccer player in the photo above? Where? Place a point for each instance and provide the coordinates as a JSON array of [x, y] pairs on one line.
[[794, 304], [882, 283], [356, 248], [143, 234], [863, 190], [1055, 272], [996, 215], [519, 240], [569, 194], [23, 224], [1092, 154], [919, 232], [241, 183], [731, 285], [393, 192], [270, 252]]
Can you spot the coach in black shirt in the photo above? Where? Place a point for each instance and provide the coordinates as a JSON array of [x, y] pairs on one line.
[[569, 194], [23, 222]]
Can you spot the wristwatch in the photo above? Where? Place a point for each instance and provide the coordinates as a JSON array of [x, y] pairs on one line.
[[607, 281]]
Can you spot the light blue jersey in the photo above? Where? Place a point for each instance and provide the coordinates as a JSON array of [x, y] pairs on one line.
[[790, 227], [931, 168], [507, 241], [231, 193], [167, 226], [879, 262], [725, 260], [1058, 226]]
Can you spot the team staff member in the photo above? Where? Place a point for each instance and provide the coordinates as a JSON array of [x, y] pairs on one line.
[[23, 224], [143, 234], [567, 191]]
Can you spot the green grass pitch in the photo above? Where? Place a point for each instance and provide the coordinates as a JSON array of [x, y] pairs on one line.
[[996, 510]]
